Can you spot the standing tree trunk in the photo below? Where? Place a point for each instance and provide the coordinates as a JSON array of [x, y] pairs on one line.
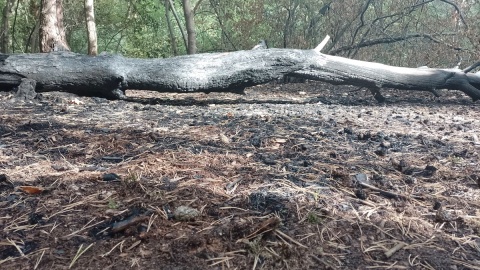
[[52, 32], [14, 25], [48, 25], [32, 44], [289, 23], [60, 26], [190, 24], [91, 29], [5, 30], [173, 42], [172, 7], [34, 39]]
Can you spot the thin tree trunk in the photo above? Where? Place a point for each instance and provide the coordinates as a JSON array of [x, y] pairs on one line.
[[91, 29], [5, 30], [190, 25], [14, 25], [173, 42], [290, 23], [33, 39], [185, 41]]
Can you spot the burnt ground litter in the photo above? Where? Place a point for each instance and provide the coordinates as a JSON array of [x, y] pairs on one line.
[[287, 176]]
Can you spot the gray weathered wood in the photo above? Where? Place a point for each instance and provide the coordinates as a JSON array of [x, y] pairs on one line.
[[110, 75]]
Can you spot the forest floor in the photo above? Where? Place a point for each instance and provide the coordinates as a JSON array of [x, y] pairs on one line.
[[295, 176]]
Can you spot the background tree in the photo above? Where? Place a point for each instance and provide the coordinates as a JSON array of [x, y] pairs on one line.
[[59, 23], [52, 32], [173, 41], [32, 43], [189, 14], [5, 40], [171, 6], [91, 29], [406, 33]]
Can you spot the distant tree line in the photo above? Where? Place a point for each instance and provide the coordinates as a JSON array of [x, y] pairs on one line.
[[406, 33]]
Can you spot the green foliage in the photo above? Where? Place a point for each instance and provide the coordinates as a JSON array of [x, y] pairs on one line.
[[112, 204], [313, 218], [139, 28]]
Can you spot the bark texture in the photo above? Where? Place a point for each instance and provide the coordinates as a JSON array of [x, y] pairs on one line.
[[52, 32], [190, 25], [173, 42], [5, 30], [109, 75], [91, 28], [59, 22], [179, 24]]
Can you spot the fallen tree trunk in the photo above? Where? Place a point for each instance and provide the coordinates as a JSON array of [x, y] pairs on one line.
[[110, 75]]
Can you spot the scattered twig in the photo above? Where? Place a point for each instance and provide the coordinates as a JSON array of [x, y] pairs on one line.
[[16, 247], [290, 239], [266, 226], [79, 253], [134, 245], [125, 224], [39, 260], [82, 229], [396, 248], [117, 159], [113, 248], [389, 194]]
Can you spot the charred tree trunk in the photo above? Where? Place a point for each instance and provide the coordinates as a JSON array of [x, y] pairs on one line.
[[91, 29], [109, 75]]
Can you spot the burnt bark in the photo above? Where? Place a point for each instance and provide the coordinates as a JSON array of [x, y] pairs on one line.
[[110, 75]]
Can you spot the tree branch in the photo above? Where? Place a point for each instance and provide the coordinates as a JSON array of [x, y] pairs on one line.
[[389, 40], [472, 67], [197, 5], [458, 11], [174, 11]]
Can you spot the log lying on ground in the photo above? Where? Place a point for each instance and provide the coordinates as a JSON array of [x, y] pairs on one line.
[[110, 75]]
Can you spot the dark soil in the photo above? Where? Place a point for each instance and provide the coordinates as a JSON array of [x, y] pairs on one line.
[[296, 176]]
